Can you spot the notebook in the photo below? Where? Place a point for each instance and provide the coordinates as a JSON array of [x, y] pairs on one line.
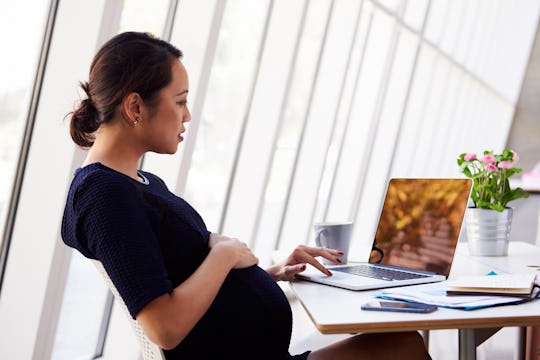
[[515, 285], [415, 240]]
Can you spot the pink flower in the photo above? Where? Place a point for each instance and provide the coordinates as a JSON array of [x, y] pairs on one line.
[[505, 164], [488, 159], [469, 156], [491, 168], [515, 158]]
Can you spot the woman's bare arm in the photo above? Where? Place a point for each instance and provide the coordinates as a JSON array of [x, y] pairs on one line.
[[169, 318]]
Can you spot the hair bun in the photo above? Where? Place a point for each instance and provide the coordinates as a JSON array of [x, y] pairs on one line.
[[84, 122]]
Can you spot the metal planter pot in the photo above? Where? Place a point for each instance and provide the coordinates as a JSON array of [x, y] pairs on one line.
[[488, 231]]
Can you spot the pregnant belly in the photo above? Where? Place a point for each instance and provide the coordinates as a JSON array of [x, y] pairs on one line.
[[250, 312]]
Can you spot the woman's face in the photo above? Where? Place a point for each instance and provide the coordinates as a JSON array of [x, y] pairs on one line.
[[163, 130]]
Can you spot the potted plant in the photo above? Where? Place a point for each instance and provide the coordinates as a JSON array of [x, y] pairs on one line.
[[488, 221]]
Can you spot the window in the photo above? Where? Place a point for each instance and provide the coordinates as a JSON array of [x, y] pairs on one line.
[[302, 110], [22, 41]]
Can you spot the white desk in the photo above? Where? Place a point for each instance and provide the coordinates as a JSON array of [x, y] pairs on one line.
[[335, 311]]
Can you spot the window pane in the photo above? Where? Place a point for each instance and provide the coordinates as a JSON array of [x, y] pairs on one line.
[[264, 119], [430, 118], [391, 5], [436, 21], [143, 15], [21, 33], [223, 114], [319, 124], [453, 26], [468, 30], [334, 155], [414, 115], [388, 124], [415, 12], [83, 303], [294, 114], [340, 200], [362, 123]]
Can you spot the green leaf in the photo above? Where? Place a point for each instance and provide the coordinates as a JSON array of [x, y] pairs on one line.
[[467, 172], [491, 190]]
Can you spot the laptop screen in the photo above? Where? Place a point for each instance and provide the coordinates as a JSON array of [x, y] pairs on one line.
[[420, 223]]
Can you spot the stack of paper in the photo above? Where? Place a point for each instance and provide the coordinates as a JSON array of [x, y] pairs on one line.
[[435, 294]]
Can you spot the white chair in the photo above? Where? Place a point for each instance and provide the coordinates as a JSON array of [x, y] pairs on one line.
[[149, 350]]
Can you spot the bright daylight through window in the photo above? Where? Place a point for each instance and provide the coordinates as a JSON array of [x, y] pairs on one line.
[[301, 112]]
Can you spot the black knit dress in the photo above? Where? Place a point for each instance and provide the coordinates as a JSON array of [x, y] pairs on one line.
[[150, 241]]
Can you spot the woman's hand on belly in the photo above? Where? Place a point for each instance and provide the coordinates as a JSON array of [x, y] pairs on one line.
[[215, 239], [238, 249], [169, 318]]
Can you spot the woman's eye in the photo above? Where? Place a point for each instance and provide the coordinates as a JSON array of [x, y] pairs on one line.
[[182, 103]]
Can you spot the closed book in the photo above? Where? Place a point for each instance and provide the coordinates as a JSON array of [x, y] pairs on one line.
[[515, 285]]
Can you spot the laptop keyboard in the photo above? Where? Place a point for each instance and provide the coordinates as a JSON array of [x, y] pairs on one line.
[[379, 272]]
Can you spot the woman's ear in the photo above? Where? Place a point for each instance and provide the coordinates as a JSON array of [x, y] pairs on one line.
[[131, 108]]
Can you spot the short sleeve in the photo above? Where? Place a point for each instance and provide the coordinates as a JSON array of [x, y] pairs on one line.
[[120, 230]]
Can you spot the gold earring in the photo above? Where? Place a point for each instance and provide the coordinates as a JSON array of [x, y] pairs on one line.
[[136, 122]]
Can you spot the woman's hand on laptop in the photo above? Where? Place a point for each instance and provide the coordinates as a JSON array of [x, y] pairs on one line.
[[297, 260]]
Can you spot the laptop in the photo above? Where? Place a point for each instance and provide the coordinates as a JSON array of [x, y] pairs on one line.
[[416, 237]]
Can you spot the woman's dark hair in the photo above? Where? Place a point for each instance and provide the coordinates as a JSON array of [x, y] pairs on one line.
[[129, 62]]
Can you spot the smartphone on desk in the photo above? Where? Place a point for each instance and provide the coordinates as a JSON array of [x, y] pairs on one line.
[[411, 307]]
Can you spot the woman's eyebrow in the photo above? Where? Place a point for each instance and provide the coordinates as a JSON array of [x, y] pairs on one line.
[[182, 92]]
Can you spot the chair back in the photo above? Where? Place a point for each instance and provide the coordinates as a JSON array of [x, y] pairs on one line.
[[149, 350]]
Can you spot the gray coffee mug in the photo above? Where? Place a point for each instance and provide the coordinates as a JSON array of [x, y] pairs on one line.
[[334, 235]]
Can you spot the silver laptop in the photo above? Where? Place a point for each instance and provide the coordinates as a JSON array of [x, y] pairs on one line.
[[416, 237]]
